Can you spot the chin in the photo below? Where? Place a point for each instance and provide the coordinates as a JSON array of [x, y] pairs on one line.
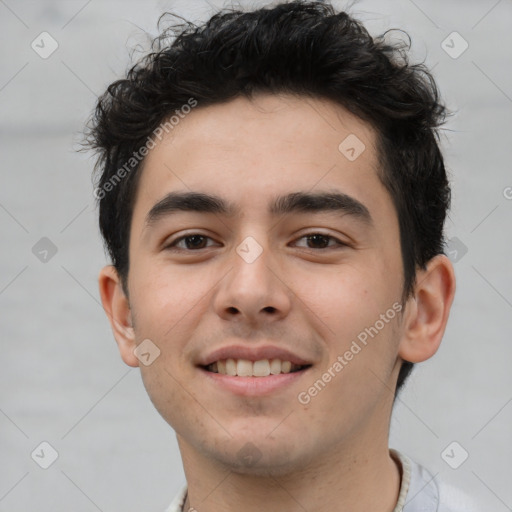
[[266, 464], [255, 455]]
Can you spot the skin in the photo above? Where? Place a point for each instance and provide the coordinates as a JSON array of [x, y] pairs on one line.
[[331, 453]]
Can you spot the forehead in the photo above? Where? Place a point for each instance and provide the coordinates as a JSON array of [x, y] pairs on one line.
[[249, 150]]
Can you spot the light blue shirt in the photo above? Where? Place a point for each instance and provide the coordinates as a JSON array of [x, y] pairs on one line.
[[419, 492]]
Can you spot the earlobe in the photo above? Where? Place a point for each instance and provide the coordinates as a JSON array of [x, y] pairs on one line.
[[428, 310], [117, 307]]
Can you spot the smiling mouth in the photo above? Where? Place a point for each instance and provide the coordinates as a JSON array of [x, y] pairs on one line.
[[246, 368]]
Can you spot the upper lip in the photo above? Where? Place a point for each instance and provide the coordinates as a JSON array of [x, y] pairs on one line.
[[252, 354]]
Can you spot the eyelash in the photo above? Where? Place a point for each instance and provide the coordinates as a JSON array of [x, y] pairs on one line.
[[339, 243]]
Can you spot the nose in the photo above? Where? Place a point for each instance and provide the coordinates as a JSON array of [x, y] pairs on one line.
[[253, 291]]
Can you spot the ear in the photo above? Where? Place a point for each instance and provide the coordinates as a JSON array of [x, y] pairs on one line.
[[426, 312], [116, 306]]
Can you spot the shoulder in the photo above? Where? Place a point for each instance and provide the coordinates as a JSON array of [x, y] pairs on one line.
[[423, 492], [453, 499], [178, 501]]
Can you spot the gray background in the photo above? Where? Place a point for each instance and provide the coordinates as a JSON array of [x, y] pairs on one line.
[[62, 380]]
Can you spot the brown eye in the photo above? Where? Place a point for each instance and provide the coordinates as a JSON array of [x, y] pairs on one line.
[[190, 242], [320, 241], [195, 241]]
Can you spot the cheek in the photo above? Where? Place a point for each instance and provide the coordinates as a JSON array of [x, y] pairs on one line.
[[358, 313], [166, 299], [169, 389], [346, 302], [358, 374]]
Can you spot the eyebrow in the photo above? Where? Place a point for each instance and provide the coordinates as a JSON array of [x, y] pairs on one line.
[[294, 202]]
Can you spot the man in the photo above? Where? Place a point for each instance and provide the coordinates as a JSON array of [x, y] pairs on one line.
[[273, 196]]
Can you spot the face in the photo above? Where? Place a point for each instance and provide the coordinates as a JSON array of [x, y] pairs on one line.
[[259, 272]]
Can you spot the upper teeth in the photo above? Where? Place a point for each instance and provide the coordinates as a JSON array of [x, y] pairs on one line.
[[246, 368]]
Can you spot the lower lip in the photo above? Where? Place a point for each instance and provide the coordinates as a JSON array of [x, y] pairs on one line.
[[254, 386]]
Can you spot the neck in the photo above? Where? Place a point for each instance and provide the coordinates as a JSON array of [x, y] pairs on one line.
[[345, 479]]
